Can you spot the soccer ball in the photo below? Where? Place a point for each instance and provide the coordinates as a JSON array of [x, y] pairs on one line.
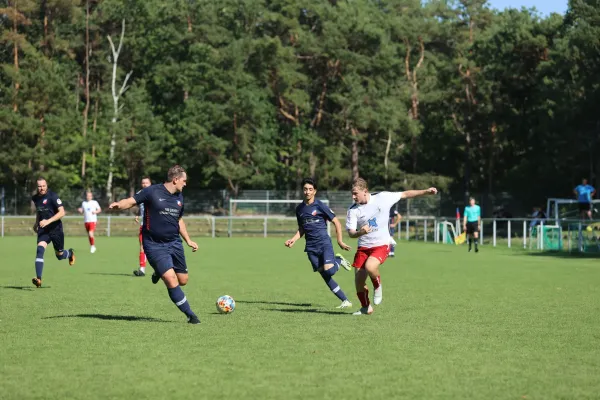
[[225, 304]]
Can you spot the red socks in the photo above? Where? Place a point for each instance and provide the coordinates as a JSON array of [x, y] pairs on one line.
[[142, 259], [364, 298], [92, 241], [376, 282]]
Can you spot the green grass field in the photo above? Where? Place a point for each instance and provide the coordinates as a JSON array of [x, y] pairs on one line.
[[493, 325]]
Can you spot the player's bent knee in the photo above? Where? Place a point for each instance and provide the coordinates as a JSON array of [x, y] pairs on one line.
[[183, 279], [170, 279]]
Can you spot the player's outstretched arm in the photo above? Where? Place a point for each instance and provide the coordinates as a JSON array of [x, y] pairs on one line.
[[339, 233], [124, 204], [409, 194], [298, 235], [185, 236]]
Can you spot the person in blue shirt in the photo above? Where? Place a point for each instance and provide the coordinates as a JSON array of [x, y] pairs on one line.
[[538, 216], [48, 226], [163, 226], [472, 221], [312, 216], [584, 194]]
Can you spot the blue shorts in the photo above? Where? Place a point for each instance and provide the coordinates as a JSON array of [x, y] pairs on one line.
[[164, 256], [55, 236], [392, 231], [320, 256]]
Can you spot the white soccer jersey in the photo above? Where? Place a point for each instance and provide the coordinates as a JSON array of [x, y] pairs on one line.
[[376, 214], [88, 207]]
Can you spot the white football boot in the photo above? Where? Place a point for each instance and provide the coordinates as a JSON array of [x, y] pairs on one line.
[[345, 304], [378, 296]]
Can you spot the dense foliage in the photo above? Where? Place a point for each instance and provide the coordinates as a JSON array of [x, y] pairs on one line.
[[259, 93]]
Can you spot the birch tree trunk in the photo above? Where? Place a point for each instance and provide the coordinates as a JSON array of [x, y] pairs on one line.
[[116, 96]]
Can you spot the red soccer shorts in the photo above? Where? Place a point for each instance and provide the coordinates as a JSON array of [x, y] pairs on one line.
[[90, 226], [362, 253]]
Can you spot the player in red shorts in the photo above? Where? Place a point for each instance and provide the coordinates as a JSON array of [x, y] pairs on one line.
[[367, 220], [90, 210], [140, 219]]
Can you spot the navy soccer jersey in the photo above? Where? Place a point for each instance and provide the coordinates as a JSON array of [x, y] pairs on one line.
[[46, 207], [162, 211], [313, 220]]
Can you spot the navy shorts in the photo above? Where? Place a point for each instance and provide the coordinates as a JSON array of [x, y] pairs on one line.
[[321, 256], [392, 231], [164, 256], [55, 236]]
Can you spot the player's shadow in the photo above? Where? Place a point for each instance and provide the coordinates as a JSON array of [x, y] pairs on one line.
[[275, 303], [108, 317], [306, 310], [24, 287], [108, 273]]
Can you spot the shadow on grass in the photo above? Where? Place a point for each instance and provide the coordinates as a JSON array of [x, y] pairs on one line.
[[275, 303], [564, 254], [24, 287], [129, 318], [306, 310], [108, 273]]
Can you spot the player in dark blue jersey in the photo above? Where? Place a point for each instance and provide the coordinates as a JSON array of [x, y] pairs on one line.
[[48, 226], [394, 220], [163, 226], [312, 218], [146, 182]]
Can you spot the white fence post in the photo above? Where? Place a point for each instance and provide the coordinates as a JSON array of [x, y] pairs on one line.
[[407, 229], [509, 234], [494, 234], [3, 226], [524, 234], [541, 236], [425, 231], [108, 227], [213, 226], [481, 234], [267, 202], [265, 227]]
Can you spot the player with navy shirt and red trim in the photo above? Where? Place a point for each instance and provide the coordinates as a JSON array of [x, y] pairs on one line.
[[162, 233], [146, 182], [48, 226], [312, 216]]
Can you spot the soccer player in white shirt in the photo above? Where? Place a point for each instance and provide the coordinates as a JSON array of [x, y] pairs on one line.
[[367, 220], [90, 210]]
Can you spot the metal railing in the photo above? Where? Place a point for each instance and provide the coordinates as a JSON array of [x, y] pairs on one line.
[[564, 235]]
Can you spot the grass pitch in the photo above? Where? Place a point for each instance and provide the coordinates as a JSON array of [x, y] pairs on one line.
[[493, 325]]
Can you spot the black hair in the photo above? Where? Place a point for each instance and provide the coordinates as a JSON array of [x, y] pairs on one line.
[[310, 181]]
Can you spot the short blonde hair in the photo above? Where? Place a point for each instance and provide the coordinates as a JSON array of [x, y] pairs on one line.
[[175, 171], [360, 184]]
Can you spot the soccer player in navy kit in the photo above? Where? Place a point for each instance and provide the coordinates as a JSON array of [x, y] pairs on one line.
[[48, 225], [146, 182], [312, 218], [163, 226]]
